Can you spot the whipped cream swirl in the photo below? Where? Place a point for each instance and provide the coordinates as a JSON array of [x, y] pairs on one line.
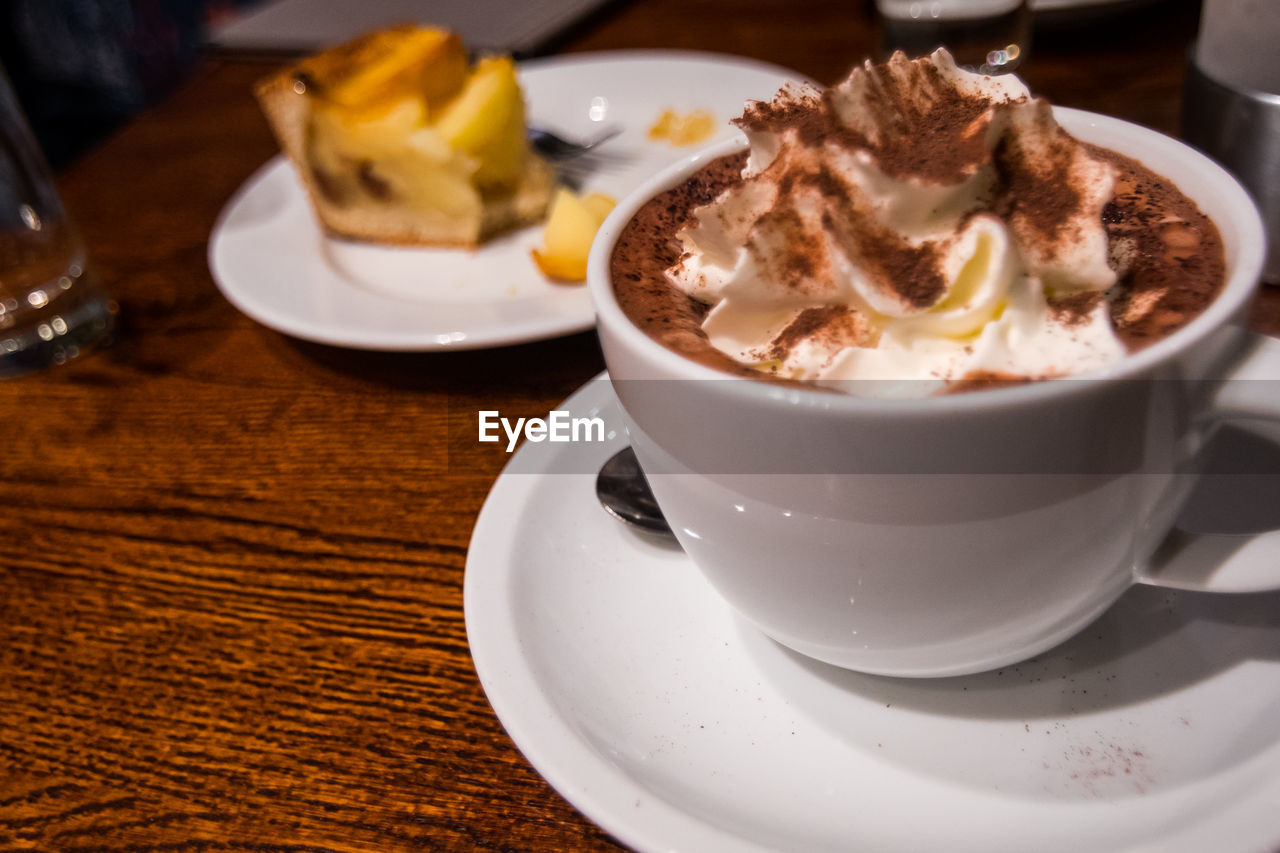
[[915, 222]]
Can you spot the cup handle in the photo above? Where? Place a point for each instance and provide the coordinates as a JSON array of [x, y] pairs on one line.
[[1249, 391], [1228, 562]]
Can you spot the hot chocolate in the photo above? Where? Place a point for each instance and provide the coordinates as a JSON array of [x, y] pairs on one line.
[[840, 248]]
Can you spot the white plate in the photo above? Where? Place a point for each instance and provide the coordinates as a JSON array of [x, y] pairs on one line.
[[675, 726], [270, 259]]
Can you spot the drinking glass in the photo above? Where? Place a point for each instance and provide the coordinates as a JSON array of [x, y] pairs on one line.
[[50, 308], [1231, 102], [986, 36]]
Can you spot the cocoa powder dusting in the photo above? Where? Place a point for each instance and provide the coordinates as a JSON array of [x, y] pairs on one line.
[[929, 129], [809, 117], [1176, 264], [648, 245], [913, 272], [1039, 192], [799, 261], [1075, 309], [827, 321], [1173, 266]]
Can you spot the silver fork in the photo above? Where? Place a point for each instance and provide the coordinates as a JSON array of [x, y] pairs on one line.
[[555, 147], [575, 160]]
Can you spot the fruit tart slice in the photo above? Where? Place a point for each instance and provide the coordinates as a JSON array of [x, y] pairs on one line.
[[400, 140]]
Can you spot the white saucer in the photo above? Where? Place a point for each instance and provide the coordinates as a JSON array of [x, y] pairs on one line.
[[672, 724], [270, 259]]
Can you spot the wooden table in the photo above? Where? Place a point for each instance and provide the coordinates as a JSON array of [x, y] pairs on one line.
[[231, 591]]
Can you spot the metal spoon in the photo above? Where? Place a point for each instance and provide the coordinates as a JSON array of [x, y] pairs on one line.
[[624, 492]]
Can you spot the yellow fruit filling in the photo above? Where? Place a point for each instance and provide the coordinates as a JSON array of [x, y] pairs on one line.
[[571, 228], [408, 122], [683, 128]]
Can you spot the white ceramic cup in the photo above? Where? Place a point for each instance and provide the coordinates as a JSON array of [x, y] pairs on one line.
[[948, 535]]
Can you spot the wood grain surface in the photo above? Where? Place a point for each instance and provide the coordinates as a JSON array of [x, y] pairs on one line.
[[231, 585]]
